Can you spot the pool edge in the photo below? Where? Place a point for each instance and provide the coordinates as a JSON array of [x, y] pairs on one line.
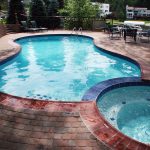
[[18, 47]]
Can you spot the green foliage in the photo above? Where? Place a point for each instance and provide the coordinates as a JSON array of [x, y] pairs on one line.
[[77, 10], [3, 4], [16, 11], [11, 19], [41, 9], [46, 3], [53, 7], [143, 3], [2, 21], [120, 10], [37, 12], [61, 3], [37, 9]]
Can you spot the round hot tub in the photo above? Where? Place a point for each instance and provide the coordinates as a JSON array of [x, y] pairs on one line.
[[127, 108], [124, 107]]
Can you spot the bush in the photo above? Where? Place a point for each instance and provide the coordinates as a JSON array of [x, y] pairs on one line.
[[79, 10], [70, 23], [2, 21]]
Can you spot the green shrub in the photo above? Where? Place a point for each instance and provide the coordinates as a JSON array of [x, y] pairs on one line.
[[2, 21], [79, 9]]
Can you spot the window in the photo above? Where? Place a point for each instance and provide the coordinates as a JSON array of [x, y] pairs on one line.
[[129, 10]]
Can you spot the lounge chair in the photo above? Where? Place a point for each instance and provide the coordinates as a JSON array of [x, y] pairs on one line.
[[24, 27], [34, 25]]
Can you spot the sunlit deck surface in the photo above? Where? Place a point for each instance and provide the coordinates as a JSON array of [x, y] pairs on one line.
[[27, 124]]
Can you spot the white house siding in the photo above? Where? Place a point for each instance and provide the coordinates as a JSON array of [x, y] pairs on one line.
[[132, 12]]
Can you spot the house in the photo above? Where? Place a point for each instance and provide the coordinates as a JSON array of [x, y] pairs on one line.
[[103, 8], [134, 12], [148, 13], [27, 1]]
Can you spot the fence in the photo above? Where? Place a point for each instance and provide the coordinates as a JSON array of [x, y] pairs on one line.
[[56, 22]]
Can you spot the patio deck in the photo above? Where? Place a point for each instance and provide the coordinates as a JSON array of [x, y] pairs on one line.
[[41, 125]]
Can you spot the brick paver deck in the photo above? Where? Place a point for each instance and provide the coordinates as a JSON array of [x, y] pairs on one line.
[[37, 125], [41, 125]]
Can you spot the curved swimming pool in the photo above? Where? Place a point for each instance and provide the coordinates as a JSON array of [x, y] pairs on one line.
[[127, 108], [60, 67]]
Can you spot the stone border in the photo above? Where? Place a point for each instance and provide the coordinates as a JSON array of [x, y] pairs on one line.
[[10, 53], [102, 87]]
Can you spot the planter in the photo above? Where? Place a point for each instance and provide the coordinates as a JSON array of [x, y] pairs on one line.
[[2, 30], [9, 28]]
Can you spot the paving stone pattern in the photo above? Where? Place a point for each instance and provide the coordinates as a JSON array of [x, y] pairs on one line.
[[29, 129]]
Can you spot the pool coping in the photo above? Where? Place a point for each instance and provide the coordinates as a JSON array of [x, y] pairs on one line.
[[102, 87]]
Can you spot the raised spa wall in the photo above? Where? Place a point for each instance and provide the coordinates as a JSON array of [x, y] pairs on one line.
[[100, 127]]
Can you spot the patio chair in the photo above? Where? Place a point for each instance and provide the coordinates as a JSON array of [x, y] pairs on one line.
[[130, 32], [114, 32], [144, 34], [24, 27], [34, 25]]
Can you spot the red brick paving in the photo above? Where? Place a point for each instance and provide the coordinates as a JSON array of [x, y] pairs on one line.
[[26, 126]]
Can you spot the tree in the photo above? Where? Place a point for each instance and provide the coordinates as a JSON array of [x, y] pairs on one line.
[[46, 3], [21, 14], [53, 7], [79, 9], [16, 11], [120, 10], [3, 4], [143, 3], [37, 9], [61, 3]]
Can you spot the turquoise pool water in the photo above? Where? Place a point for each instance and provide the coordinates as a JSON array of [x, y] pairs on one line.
[[60, 68], [128, 109]]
